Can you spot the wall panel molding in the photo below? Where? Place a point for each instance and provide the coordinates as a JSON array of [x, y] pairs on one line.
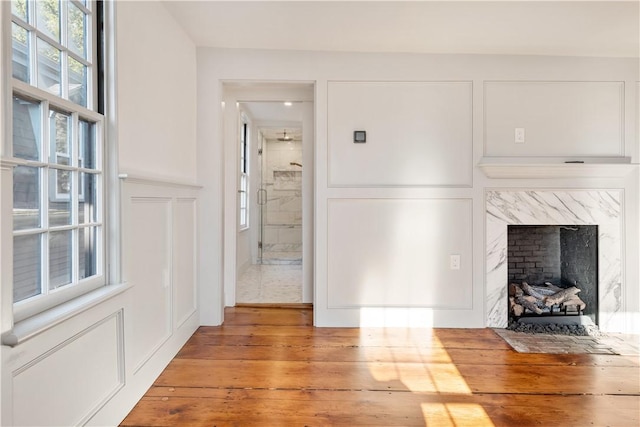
[[159, 261], [147, 267], [560, 118], [399, 254], [91, 361], [418, 133], [184, 259], [156, 181]]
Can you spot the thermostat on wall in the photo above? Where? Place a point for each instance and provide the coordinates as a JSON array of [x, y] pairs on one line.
[[359, 136]]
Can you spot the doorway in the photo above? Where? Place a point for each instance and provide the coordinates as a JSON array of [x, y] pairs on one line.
[[275, 191], [273, 249]]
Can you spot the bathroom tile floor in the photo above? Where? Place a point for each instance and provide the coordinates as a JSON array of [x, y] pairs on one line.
[[263, 284]]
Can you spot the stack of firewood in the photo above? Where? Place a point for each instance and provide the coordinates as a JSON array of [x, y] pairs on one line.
[[524, 298]]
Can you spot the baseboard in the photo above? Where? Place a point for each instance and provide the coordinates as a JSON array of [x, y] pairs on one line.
[[275, 305]]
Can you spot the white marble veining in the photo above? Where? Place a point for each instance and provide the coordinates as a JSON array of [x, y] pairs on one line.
[[282, 215], [270, 284], [282, 253], [287, 179], [572, 207]]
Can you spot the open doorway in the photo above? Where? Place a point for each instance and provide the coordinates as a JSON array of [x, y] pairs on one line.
[[269, 245], [272, 178]]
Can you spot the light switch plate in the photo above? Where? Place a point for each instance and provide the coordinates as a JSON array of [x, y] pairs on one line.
[[454, 262]]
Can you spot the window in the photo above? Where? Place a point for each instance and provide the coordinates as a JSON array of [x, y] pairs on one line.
[[244, 176], [58, 149], [53, 50]]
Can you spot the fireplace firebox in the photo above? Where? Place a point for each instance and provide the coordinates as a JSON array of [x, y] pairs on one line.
[[552, 271]]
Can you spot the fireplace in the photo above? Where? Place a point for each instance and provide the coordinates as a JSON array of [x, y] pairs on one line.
[[601, 208], [552, 271]]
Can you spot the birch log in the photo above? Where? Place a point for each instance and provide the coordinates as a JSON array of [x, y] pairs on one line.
[[561, 296], [532, 291]]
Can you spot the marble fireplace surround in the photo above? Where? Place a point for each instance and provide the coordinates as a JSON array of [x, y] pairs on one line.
[[556, 207]]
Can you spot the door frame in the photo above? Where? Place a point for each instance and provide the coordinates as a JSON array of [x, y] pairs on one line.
[[234, 93]]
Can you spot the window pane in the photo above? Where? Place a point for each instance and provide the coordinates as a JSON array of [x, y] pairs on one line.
[[60, 137], [88, 251], [77, 30], [27, 276], [88, 207], [19, 8], [49, 68], [48, 13], [59, 197], [26, 129], [26, 198], [77, 82], [60, 250], [20, 52], [87, 146]]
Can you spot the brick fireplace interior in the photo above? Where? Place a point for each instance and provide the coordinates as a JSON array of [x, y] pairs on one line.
[[564, 255]]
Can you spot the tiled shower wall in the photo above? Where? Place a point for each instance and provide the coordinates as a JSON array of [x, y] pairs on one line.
[[283, 182]]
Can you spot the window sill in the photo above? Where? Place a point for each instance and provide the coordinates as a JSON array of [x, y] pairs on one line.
[[35, 325]]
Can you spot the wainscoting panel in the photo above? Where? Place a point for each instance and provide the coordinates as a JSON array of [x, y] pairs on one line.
[[397, 253], [184, 259], [147, 266], [562, 119], [417, 134], [68, 383]]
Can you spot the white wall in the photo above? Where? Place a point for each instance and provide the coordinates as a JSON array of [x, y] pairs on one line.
[[91, 365], [563, 118], [156, 86], [356, 176], [418, 134]]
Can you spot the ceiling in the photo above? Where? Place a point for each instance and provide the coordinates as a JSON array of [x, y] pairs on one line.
[[571, 28], [275, 118], [272, 134], [274, 111]]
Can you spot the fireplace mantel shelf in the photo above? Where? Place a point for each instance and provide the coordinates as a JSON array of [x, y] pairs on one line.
[[522, 169]]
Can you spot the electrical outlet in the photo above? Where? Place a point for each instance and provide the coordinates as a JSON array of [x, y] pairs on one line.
[[519, 136], [454, 262]]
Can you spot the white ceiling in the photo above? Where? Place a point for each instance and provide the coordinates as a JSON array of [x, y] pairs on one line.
[[275, 118], [274, 111], [573, 28], [272, 134]]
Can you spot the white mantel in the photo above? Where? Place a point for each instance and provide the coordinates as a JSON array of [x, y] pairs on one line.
[[556, 207], [521, 168]]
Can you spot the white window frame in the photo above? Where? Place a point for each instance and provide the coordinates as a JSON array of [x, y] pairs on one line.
[[50, 102], [243, 168]]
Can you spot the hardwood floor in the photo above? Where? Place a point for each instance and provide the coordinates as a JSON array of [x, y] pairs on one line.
[[270, 367]]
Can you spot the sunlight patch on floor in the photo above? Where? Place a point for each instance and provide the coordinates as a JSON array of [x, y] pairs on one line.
[[427, 369], [455, 415]]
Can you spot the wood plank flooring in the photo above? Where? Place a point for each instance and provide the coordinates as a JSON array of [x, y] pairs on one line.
[[270, 367]]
